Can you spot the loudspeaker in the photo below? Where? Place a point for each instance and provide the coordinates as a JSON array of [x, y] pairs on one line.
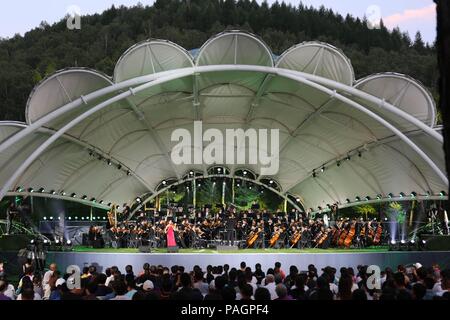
[[172, 249], [145, 249]]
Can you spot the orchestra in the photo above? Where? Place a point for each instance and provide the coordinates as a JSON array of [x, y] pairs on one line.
[[251, 229]]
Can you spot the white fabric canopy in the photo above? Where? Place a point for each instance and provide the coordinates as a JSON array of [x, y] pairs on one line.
[[122, 151]]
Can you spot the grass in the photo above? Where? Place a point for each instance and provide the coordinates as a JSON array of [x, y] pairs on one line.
[[259, 251]]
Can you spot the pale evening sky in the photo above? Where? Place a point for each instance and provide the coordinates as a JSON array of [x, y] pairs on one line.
[[20, 16]]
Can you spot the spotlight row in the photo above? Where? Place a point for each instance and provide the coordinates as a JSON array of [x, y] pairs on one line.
[[407, 245], [109, 162], [338, 162], [401, 195], [73, 218]]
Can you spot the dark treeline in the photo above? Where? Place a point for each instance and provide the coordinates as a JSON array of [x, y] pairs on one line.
[[24, 61]]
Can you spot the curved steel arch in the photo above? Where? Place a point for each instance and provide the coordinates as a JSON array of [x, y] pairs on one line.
[[295, 76]]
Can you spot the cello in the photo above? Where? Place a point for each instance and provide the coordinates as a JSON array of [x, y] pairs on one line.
[[351, 233], [378, 233]]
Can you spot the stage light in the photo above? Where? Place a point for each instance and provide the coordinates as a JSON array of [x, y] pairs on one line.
[[101, 201], [45, 218], [73, 195], [91, 153], [338, 163], [109, 204], [359, 154], [262, 191], [347, 200], [367, 198], [53, 192], [99, 218], [385, 219], [412, 241], [214, 183], [51, 218], [314, 174], [402, 241], [358, 199], [46, 242], [109, 162], [164, 182], [32, 241], [250, 188], [84, 197], [59, 218], [76, 218], [93, 218], [41, 190], [219, 169], [70, 218], [119, 167], [19, 189], [57, 242], [393, 242], [390, 195], [191, 173], [413, 194], [298, 199], [424, 242], [245, 173], [82, 218], [348, 158], [69, 243], [271, 181], [199, 185], [93, 200], [30, 190], [322, 169], [379, 197], [63, 193], [138, 200], [442, 193], [402, 194], [128, 173]]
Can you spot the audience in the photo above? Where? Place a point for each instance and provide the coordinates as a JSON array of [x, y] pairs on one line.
[[229, 284]]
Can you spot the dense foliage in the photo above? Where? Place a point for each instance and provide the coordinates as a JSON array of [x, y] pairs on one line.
[[24, 61]]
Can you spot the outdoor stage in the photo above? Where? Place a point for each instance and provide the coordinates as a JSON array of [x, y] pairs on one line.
[[189, 258]]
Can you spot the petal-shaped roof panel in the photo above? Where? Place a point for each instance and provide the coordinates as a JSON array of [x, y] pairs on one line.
[[320, 59], [61, 88], [403, 92], [150, 57], [235, 47]]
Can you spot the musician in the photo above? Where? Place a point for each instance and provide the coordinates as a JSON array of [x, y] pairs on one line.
[[11, 214]]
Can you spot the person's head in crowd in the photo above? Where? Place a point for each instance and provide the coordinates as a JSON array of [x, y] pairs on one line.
[[101, 279], [119, 287], [262, 294], [209, 269], [148, 285], [226, 268], [293, 270], [270, 278], [418, 291], [129, 269], [399, 280], [186, 281], [29, 271], [258, 267], [92, 270], [27, 294], [270, 271], [198, 276], [53, 267], [181, 269], [85, 271], [359, 295], [108, 272], [220, 282], [246, 292], [228, 294], [281, 291], [232, 275], [243, 265], [248, 274], [91, 288]]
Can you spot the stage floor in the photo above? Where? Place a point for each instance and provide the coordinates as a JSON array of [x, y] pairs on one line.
[[255, 251], [337, 258]]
